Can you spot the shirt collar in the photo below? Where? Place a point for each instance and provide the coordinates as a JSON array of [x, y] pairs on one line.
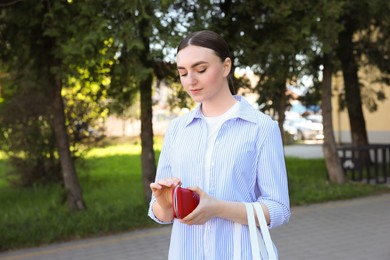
[[245, 112]]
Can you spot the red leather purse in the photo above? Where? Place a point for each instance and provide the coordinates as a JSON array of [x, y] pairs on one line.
[[184, 201]]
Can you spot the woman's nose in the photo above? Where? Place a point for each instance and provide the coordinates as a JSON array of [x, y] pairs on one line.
[[192, 78]]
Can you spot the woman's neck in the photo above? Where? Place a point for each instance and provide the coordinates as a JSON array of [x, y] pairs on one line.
[[218, 106]]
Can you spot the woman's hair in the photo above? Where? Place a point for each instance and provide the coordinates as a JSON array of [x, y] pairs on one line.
[[213, 41]]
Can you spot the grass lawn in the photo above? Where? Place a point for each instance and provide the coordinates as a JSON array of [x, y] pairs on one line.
[[308, 184], [111, 181]]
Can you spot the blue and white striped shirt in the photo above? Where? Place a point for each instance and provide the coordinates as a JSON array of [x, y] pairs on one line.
[[247, 165]]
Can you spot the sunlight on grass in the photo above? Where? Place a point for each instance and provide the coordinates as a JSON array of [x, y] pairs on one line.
[[2, 155], [123, 149], [127, 148]]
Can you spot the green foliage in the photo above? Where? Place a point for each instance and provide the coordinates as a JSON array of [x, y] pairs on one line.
[[28, 139], [85, 110], [61, 43], [97, 52]]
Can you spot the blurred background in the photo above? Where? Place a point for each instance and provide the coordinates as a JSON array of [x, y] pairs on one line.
[[77, 75]]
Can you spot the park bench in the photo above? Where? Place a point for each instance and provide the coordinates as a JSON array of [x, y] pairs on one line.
[[370, 163]]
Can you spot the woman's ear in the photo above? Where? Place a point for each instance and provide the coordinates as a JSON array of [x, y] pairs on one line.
[[227, 66]]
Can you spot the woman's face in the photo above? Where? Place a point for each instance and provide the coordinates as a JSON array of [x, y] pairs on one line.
[[202, 73]]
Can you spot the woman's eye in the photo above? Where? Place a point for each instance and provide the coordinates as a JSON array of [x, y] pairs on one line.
[[182, 73], [202, 70]]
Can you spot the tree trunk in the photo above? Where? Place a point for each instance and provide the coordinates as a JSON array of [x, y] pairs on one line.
[[352, 88], [352, 93], [147, 155], [72, 186], [281, 110], [332, 160]]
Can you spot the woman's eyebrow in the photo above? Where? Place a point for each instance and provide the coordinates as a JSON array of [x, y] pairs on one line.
[[193, 65]]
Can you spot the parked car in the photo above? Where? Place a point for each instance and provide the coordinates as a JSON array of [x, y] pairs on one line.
[[301, 128], [315, 118]]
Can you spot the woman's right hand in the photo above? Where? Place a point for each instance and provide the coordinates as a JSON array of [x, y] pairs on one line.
[[162, 190]]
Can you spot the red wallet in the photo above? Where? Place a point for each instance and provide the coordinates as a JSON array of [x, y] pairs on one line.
[[184, 201]]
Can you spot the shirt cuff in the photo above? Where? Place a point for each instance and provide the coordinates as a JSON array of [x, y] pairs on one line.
[[152, 216], [278, 213]]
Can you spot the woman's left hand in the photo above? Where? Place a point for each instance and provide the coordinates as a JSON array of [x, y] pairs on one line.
[[207, 209]]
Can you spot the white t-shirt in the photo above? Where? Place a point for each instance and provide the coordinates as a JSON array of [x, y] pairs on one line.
[[213, 125]]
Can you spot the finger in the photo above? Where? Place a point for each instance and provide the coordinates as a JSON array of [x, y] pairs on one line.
[[155, 186], [192, 188], [196, 190], [176, 181], [193, 221], [165, 182]]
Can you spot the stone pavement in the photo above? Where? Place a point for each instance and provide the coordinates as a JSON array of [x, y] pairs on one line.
[[350, 229]]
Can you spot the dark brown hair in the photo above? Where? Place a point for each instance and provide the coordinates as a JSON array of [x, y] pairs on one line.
[[211, 40]]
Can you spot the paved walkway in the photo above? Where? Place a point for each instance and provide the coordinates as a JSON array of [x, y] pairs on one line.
[[352, 229], [304, 151]]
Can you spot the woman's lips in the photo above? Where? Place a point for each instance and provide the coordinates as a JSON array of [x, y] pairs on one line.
[[195, 91]]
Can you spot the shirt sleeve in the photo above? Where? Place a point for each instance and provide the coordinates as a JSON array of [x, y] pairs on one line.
[[272, 178]]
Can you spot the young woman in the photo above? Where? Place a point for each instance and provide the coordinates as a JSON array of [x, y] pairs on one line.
[[224, 150]]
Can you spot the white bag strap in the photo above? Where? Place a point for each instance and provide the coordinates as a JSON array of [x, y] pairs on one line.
[[237, 241], [259, 249], [265, 231], [253, 232]]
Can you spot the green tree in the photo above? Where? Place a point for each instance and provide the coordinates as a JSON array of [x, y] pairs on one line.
[[142, 32], [324, 29], [42, 52]]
